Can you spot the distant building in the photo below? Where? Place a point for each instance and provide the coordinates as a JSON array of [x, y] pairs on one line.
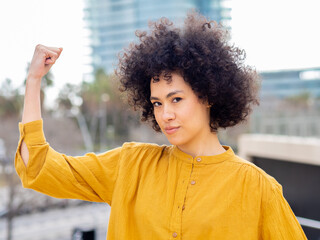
[[290, 83], [290, 103], [113, 23]]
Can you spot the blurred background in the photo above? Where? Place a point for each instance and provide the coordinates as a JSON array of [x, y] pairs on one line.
[[83, 111]]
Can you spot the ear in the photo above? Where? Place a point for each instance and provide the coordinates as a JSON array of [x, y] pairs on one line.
[[208, 105]]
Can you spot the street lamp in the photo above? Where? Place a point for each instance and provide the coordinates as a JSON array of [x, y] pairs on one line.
[[103, 121]]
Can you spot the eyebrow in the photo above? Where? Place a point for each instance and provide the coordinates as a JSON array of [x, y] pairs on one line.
[[170, 94]]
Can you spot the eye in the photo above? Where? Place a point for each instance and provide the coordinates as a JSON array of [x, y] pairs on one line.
[[156, 104], [177, 99]]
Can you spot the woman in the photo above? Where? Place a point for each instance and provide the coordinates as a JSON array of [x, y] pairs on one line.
[[188, 82]]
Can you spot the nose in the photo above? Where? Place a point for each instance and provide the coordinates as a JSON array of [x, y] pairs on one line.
[[168, 113]]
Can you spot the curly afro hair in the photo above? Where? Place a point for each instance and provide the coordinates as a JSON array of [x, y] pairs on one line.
[[199, 50]]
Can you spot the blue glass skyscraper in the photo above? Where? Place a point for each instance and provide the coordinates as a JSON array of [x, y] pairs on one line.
[[113, 23]]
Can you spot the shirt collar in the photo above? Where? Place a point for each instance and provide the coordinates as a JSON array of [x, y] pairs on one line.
[[200, 160]]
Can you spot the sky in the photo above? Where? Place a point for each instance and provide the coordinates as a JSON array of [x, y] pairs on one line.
[[276, 34], [59, 23]]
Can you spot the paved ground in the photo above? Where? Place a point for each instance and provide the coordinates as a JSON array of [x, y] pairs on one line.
[[60, 223]]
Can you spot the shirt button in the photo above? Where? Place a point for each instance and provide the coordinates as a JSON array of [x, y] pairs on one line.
[[198, 159], [183, 207], [174, 234], [193, 182]]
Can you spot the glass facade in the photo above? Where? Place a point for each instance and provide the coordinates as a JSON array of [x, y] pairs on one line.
[[291, 83], [290, 103], [112, 23]]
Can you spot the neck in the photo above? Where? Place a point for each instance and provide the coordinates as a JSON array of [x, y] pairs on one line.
[[209, 145]]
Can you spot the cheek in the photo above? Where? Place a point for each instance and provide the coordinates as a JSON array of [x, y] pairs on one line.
[[157, 116], [195, 113], [188, 111]]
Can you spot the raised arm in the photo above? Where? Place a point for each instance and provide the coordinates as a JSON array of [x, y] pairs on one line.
[[43, 59]]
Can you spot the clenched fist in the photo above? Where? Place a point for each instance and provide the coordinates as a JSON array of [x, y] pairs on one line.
[[43, 59]]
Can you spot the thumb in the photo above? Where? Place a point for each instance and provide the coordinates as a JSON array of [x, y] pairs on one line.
[[50, 60], [60, 48], [59, 53]]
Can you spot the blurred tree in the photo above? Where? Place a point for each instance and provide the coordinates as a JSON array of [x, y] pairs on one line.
[[20, 201], [11, 104], [14, 203], [66, 96], [92, 92], [100, 103], [301, 100], [10, 100]]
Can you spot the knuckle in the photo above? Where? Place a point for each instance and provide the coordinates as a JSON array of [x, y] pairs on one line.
[[39, 46]]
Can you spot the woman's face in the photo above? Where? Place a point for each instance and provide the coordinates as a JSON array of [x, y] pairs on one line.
[[182, 117]]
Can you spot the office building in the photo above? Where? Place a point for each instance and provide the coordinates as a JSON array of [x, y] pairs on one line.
[[291, 83], [112, 23], [290, 103]]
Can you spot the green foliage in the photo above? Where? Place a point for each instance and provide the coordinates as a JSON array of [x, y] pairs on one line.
[[99, 101], [102, 95], [100, 85], [303, 97], [66, 95], [102, 88], [11, 100]]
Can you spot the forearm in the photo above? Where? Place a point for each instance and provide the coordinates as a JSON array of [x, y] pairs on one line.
[[31, 110], [43, 59], [32, 105]]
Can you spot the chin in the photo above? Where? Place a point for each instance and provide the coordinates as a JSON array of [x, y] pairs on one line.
[[174, 140]]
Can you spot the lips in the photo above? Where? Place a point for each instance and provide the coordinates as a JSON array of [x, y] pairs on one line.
[[171, 130]]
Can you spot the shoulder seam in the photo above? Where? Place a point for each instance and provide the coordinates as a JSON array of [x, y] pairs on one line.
[[132, 145], [260, 171]]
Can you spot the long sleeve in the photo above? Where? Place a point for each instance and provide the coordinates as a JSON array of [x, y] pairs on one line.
[[278, 220], [90, 177]]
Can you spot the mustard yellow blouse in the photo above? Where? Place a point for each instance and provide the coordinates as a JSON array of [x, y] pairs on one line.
[[159, 192]]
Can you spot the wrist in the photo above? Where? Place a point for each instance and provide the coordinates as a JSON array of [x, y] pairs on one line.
[[33, 79]]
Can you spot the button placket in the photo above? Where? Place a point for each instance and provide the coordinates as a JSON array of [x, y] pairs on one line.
[[196, 161], [191, 188], [175, 224]]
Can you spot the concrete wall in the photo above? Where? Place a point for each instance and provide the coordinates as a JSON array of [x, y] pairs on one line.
[[288, 148], [295, 163]]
